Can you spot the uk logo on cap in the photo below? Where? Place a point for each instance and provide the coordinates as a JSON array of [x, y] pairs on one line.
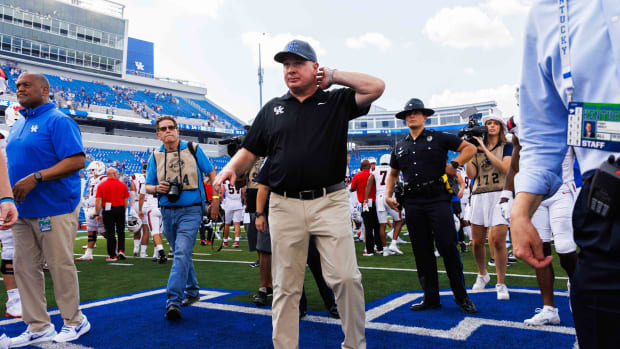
[[292, 46]]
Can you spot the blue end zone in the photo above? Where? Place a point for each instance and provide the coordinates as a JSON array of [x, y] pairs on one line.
[[137, 321]]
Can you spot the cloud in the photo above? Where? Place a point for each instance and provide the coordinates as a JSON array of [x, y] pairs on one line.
[[506, 7], [469, 71], [274, 43], [370, 39], [466, 27], [504, 96]]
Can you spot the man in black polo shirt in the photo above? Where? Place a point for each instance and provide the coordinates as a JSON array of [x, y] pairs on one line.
[[304, 133], [421, 156]]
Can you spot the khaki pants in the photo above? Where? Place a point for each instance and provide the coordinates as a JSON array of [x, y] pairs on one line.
[[34, 248], [292, 222]]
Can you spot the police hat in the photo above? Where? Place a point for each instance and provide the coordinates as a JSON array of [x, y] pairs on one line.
[[298, 48], [412, 105]]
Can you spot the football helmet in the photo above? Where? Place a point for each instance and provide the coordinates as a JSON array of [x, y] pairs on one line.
[[134, 223], [384, 159], [372, 160], [96, 168]]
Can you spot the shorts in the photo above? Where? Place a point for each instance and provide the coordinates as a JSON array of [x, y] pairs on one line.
[[251, 232], [383, 209], [152, 217], [91, 223], [6, 236], [235, 216], [263, 241], [554, 217], [485, 210]]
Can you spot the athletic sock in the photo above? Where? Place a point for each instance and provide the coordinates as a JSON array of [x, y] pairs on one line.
[[143, 249], [14, 293], [238, 238], [548, 307], [158, 248], [136, 243], [89, 252]]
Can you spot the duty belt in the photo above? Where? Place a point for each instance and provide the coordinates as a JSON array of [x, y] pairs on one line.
[[309, 194], [429, 188]]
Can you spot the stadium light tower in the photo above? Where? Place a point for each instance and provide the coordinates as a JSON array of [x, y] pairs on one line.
[[261, 73]]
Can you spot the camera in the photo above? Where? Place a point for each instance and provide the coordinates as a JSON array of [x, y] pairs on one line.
[[174, 192], [472, 129], [232, 144]]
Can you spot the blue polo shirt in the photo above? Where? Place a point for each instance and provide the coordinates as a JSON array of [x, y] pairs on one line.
[[188, 197], [40, 140]]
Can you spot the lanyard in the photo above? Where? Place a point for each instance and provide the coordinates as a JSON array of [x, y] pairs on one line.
[[567, 77]]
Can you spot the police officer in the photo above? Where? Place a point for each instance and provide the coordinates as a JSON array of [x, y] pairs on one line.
[[421, 156]]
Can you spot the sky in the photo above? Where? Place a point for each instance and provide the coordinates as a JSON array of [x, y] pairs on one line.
[[444, 52]]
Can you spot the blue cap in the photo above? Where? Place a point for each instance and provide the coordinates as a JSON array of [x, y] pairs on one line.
[[298, 48]]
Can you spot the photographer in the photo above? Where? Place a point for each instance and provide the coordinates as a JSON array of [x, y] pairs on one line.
[[421, 156], [489, 168], [174, 172]]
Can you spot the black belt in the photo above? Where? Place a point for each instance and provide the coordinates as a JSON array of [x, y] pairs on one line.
[[179, 207], [310, 194]]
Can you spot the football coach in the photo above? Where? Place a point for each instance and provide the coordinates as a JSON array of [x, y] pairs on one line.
[[304, 133]]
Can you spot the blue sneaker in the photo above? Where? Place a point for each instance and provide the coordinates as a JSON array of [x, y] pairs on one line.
[[29, 338], [71, 333]]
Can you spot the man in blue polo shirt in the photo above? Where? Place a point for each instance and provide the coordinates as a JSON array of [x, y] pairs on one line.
[[174, 172], [45, 153]]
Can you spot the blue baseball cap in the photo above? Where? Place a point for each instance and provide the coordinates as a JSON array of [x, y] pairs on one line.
[[298, 48]]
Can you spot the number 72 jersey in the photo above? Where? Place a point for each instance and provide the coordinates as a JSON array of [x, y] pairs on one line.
[[380, 173]]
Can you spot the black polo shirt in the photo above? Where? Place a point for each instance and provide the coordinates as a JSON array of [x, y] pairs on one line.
[[306, 142], [424, 159]]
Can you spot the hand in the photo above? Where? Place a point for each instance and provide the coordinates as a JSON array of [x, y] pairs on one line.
[[141, 214], [526, 243], [261, 224], [450, 170], [99, 219], [392, 203], [225, 174], [163, 187], [215, 209], [8, 215], [322, 78], [23, 187], [481, 145]]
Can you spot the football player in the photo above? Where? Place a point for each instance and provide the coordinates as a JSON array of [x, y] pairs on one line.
[[233, 211], [96, 172], [150, 215], [140, 237]]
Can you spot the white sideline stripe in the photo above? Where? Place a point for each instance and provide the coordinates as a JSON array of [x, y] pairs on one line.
[[51, 345], [122, 264], [365, 268]]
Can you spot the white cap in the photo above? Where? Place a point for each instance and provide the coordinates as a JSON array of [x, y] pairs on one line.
[[494, 114], [372, 160]]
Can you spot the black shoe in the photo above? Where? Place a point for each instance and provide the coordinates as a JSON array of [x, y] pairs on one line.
[[203, 242], [423, 305], [189, 300], [170, 254], [173, 312], [463, 247], [333, 312], [466, 305], [121, 255], [260, 298], [302, 314], [269, 291], [162, 257], [511, 257], [491, 262], [254, 264]]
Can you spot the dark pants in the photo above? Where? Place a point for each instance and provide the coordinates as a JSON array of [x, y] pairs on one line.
[[314, 263], [595, 285], [433, 220], [114, 220], [371, 225]]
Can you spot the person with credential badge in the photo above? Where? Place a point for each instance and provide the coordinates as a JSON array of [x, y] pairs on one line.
[[571, 74]]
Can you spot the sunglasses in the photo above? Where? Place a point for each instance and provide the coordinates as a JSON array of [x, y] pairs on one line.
[[164, 128]]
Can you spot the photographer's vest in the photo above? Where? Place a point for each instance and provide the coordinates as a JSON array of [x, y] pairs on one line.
[[177, 164], [489, 178]]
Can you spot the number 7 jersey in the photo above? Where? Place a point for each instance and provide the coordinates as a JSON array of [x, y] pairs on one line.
[[380, 173]]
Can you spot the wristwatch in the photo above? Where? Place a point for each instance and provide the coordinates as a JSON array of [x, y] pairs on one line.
[[260, 214], [455, 164], [38, 177]]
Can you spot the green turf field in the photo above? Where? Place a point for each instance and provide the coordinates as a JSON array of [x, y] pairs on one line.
[[229, 269]]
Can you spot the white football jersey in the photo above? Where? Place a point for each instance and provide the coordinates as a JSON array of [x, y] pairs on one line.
[[232, 198], [149, 199], [93, 184], [138, 182], [467, 190], [380, 173]]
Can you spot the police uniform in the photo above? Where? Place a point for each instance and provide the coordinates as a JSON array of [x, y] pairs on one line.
[[427, 209]]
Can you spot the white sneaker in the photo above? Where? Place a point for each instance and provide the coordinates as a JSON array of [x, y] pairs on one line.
[[14, 307], [390, 234], [481, 282], [4, 342], [85, 257], [387, 252], [71, 333], [544, 316], [144, 255], [502, 292], [28, 338], [400, 241], [394, 248]]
